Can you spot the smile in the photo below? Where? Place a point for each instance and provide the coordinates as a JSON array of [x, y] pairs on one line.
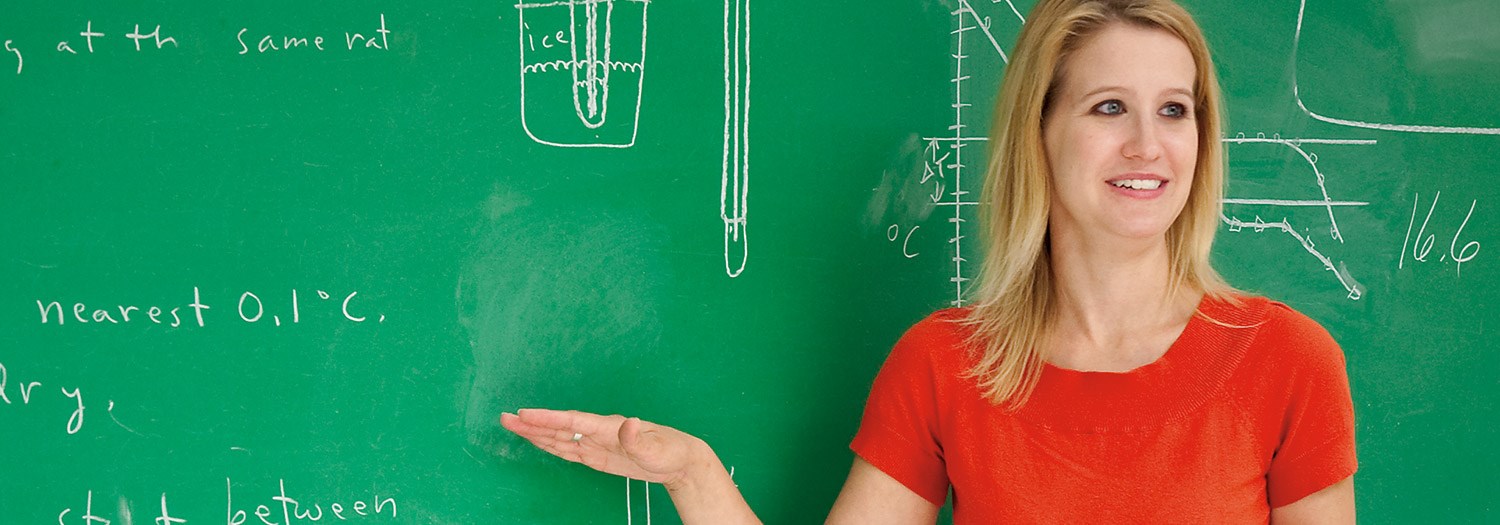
[[1137, 184]]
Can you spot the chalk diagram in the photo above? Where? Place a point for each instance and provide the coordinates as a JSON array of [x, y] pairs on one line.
[[944, 156], [1305, 238], [629, 508], [572, 62], [1381, 126], [577, 55], [734, 186]]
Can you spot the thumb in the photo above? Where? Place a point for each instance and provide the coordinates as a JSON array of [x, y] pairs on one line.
[[640, 443]]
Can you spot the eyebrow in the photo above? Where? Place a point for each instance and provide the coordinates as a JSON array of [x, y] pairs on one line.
[[1181, 91]]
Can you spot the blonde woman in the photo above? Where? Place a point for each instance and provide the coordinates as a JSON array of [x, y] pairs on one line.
[[1106, 373]]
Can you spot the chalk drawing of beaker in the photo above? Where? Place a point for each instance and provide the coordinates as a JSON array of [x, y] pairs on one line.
[[578, 64]]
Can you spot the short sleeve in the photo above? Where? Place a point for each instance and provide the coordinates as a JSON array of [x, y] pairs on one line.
[[899, 431], [1317, 435]]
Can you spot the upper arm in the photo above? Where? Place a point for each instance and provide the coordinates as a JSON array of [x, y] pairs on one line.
[[1334, 504], [1316, 447], [872, 497]]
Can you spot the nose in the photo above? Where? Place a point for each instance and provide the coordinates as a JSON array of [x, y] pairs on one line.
[[1144, 140]]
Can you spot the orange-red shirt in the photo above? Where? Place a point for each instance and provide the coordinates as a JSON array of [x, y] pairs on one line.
[[1228, 424]]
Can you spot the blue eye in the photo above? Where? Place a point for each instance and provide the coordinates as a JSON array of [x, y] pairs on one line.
[[1110, 107], [1174, 110]]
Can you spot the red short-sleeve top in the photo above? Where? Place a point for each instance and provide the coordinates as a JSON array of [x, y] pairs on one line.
[[1241, 415]]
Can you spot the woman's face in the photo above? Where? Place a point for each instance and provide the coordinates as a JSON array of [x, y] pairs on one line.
[[1121, 136]]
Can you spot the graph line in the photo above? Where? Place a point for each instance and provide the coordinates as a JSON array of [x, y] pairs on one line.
[[1312, 161], [1406, 128], [1354, 289]]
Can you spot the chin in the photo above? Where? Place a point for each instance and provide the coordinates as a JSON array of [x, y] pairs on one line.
[[1142, 231]]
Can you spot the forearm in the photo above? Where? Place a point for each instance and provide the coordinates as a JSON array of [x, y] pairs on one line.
[[705, 495]]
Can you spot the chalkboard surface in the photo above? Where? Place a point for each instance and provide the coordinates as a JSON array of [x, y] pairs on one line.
[[269, 259]]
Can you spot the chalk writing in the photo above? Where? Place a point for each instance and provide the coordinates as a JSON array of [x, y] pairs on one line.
[[250, 308], [266, 513], [269, 43], [88, 34], [26, 393], [144, 38], [19, 60], [1421, 246], [1354, 289], [155, 34], [155, 38], [291, 508], [894, 232]]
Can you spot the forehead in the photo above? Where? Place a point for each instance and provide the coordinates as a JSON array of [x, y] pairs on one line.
[[1142, 60]]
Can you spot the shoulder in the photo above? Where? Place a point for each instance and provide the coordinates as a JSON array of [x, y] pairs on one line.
[[937, 342], [1274, 347], [1290, 336], [1291, 360], [1275, 330], [945, 324], [1305, 410]]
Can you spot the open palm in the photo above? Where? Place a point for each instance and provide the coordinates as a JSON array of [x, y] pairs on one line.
[[612, 444]]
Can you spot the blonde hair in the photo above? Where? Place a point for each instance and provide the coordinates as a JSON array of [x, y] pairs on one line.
[[1013, 297]]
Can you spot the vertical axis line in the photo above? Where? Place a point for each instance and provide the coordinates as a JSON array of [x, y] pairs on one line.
[[958, 144]]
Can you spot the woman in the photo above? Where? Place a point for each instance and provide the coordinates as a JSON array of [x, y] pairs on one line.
[[1105, 373]]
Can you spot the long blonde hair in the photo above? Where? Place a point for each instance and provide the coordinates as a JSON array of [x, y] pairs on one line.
[[1013, 297]]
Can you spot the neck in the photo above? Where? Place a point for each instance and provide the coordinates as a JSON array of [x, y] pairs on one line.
[[1113, 310]]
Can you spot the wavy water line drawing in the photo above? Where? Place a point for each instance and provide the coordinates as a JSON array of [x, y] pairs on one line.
[[590, 70], [1405, 128], [574, 64], [734, 183]]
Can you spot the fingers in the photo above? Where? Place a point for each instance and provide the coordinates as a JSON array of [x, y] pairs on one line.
[[592, 455], [555, 442], [568, 450], [612, 444], [557, 427], [571, 421], [515, 424]]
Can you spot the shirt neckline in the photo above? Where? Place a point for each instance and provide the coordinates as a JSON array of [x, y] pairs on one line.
[[1194, 368], [1162, 361]]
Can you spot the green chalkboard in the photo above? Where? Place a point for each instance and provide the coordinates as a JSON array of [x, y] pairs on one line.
[[347, 235]]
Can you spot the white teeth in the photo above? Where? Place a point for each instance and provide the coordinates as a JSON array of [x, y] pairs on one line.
[[1138, 184]]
